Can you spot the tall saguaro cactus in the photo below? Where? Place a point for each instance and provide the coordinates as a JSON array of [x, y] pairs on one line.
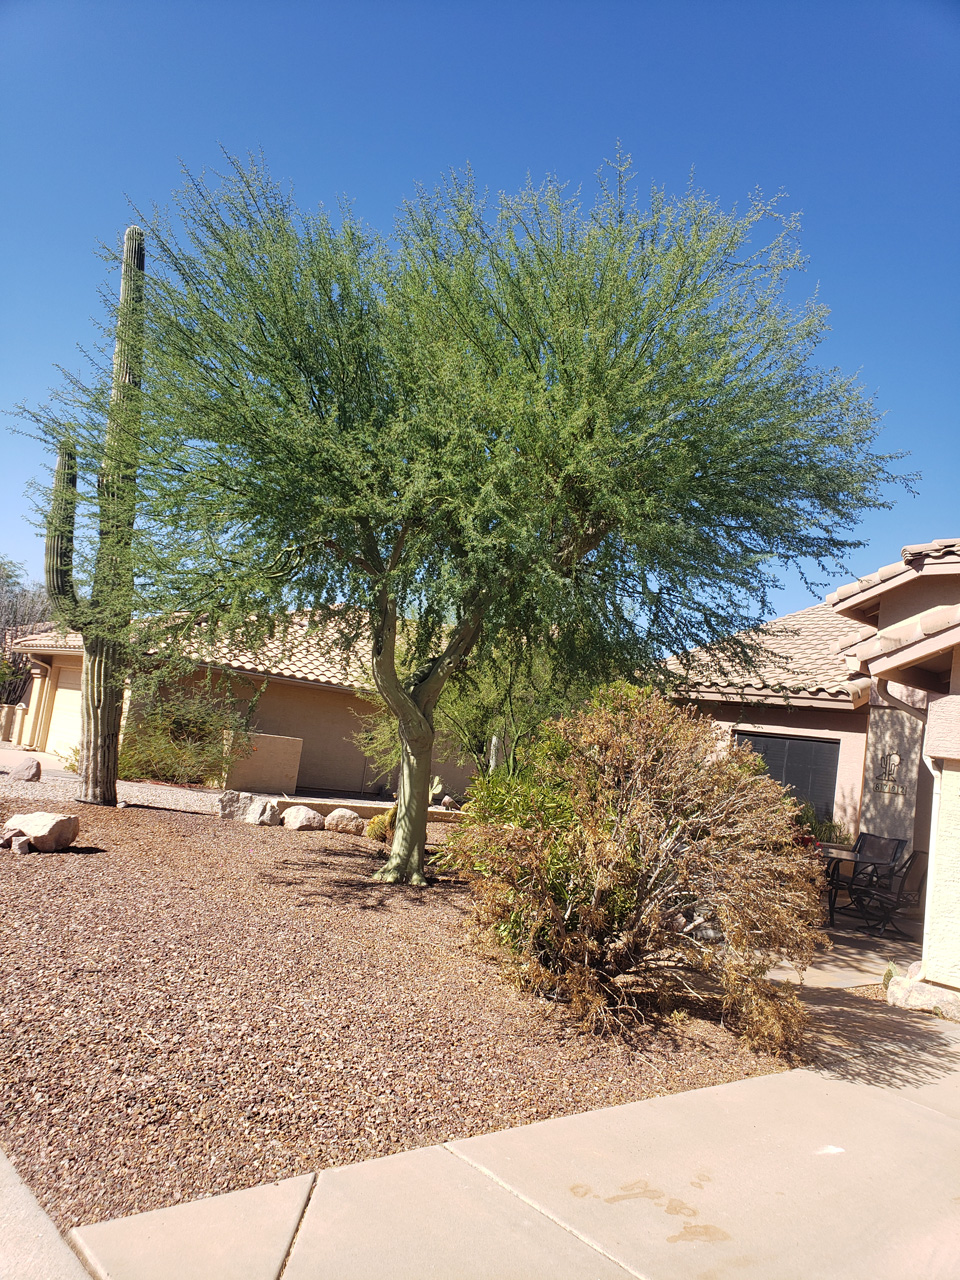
[[103, 619]]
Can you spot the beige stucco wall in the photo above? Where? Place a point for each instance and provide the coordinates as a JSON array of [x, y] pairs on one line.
[[897, 788], [323, 718], [327, 721], [941, 937], [849, 728], [914, 597], [273, 765], [941, 931]]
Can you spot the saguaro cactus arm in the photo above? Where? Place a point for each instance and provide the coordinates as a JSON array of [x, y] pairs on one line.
[[61, 521]]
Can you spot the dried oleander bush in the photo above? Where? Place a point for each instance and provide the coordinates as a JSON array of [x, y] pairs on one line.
[[632, 863]]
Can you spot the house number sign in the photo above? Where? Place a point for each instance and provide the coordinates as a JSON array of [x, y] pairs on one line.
[[886, 778]]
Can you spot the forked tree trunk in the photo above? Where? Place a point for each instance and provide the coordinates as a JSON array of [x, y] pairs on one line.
[[101, 711], [406, 862], [413, 704]]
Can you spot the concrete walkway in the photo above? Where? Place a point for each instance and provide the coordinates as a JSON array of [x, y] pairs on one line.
[[849, 1170], [30, 1247]]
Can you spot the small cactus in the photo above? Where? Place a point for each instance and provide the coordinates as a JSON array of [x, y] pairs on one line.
[[382, 826], [103, 619]]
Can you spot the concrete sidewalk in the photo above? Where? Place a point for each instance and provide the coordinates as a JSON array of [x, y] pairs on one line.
[[783, 1177], [30, 1247]]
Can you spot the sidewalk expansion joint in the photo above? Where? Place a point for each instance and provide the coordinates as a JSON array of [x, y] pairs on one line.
[[293, 1239], [557, 1222]]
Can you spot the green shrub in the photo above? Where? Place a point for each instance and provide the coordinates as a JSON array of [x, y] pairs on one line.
[[185, 734], [630, 864], [823, 829]]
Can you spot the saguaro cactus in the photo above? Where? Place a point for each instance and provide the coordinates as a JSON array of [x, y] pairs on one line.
[[103, 619]]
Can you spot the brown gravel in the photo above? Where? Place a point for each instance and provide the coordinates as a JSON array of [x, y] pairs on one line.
[[194, 1007]]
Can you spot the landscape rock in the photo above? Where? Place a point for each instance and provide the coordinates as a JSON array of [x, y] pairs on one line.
[[345, 821], [29, 771], [241, 806], [301, 818], [448, 802], [47, 832], [912, 993], [20, 844]]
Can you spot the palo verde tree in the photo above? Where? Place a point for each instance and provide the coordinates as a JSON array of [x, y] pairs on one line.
[[106, 446], [522, 421]]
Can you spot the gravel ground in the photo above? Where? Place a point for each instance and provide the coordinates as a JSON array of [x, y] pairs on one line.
[[197, 1006], [155, 794]]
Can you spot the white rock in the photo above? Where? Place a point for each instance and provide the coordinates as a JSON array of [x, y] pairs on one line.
[[345, 821], [20, 844], [299, 817], [448, 802], [47, 832], [29, 771], [241, 806], [911, 993]]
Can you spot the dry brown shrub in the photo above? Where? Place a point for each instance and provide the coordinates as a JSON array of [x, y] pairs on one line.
[[632, 864]]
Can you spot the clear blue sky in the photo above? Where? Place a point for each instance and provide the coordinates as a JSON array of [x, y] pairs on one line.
[[850, 106]]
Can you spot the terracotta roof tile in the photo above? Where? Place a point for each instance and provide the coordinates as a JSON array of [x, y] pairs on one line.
[[315, 657], [799, 656], [912, 561]]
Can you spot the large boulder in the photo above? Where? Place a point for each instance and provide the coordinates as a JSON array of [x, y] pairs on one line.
[[912, 993], [345, 821], [29, 771], [241, 806], [47, 832], [299, 817]]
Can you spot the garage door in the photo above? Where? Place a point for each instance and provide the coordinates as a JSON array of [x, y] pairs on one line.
[[807, 765], [64, 732]]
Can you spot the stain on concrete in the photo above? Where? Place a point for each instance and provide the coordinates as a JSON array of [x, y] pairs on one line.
[[699, 1231]]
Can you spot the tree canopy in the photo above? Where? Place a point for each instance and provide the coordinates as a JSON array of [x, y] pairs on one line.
[[526, 421]]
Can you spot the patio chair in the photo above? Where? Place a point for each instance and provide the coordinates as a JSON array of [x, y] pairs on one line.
[[872, 862], [878, 904]]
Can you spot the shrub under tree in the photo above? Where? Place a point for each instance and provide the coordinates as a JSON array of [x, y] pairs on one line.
[[634, 861]]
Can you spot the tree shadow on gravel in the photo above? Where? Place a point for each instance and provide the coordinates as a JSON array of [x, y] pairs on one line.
[[869, 1042], [329, 877]]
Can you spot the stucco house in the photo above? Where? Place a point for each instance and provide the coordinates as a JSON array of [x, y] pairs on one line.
[[905, 634], [824, 731], [856, 703], [304, 722]]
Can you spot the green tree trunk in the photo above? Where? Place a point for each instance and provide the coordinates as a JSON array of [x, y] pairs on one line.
[[406, 862]]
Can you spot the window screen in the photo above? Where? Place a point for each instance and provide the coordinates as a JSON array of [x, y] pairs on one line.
[[807, 765]]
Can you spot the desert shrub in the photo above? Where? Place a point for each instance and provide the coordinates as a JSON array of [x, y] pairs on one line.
[[824, 829], [382, 826], [630, 862], [184, 733]]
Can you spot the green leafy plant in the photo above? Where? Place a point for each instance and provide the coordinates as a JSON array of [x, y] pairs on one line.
[[825, 830], [629, 863], [185, 731]]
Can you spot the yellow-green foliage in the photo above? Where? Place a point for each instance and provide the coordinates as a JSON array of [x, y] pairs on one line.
[[382, 825], [630, 862]]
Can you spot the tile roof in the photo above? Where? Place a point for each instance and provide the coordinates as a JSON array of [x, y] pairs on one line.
[[799, 657], [311, 656], [913, 560]]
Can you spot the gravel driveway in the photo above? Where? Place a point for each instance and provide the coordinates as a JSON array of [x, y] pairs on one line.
[[196, 1006]]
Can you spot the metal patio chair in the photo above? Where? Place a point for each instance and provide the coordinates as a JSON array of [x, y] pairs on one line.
[[871, 863], [881, 902]]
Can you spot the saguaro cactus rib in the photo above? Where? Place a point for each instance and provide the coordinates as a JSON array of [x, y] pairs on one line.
[[104, 619]]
